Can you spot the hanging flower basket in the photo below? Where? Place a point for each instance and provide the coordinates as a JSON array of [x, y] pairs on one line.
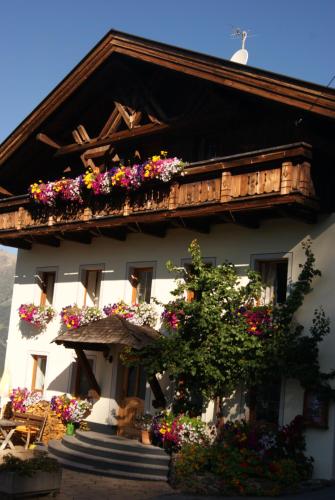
[[139, 314], [37, 316], [75, 316]]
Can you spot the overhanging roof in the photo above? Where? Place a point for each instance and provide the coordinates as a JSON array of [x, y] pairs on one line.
[[307, 96], [111, 330]]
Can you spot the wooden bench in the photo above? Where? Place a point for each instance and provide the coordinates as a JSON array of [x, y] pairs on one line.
[[31, 426]]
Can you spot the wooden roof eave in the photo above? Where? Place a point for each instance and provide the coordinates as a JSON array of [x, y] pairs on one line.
[[311, 97]]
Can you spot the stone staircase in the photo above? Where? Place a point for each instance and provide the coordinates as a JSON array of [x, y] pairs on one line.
[[110, 455]]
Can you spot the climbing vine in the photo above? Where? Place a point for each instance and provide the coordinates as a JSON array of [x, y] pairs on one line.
[[222, 339]]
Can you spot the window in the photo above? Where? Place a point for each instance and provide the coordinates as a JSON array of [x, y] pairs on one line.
[[46, 281], [189, 270], [141, 281], [91, 279], [39, 369], [274, 277], [275, 270], [80, 384], [135, 382], [264, 402]]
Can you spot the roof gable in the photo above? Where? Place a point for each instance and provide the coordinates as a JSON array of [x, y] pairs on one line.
[[306, 96]]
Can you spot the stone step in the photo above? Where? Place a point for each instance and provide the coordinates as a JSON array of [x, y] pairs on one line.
[[125, 454], [117, 443], [59, 450], [70, 464]]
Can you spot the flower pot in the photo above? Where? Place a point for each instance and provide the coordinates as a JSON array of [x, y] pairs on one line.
[[14, 485], [145, 437], [70, 429]]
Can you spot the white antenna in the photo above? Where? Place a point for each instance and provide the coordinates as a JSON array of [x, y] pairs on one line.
[[241, 55]]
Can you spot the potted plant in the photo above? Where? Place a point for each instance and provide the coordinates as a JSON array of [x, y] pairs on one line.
[[34, 476], [71, 410], [143, 423]]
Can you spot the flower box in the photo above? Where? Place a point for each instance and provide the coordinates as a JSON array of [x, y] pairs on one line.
[[14, 485]]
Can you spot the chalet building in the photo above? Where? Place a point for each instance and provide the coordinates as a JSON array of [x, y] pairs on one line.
[[260, 151]]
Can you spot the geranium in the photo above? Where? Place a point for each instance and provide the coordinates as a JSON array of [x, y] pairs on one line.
[[37, 316], [22, 398], [175, 431], [258, 319], [173, 314], [70, 190], [70, 409], [74, 316], [119, 308], [127, 177], [43, 193], [138, 314]]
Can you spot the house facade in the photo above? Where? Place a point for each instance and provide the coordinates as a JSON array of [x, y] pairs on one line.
[[257, 183]]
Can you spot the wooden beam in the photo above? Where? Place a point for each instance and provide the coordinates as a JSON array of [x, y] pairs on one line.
[[47, 240], [83, 133], [88, 370], [119, 234], [123, 112], [158, 230], [78, 237], [5, 192], [123, 135], [111, 124], [16, 243], [160, 401], [47, 140]]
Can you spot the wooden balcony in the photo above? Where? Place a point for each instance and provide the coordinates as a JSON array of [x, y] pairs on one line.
[[240, 188]]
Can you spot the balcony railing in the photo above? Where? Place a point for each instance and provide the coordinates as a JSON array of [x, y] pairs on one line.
[[255, 181]]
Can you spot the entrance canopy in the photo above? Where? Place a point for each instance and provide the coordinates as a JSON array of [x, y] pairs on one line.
[[96, 336], [99, 335]]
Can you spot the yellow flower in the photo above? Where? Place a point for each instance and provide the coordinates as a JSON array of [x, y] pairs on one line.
[[156, 158], [164, 153]]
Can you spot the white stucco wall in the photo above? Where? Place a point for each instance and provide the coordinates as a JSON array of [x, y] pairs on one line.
[[226, 241]]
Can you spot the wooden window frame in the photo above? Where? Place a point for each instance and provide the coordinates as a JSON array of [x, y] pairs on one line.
[[44, 293], [137, 382], [134, 281], [40, 274], [277, 257], [83, 281], [34, 371], [190, 294], [97, 284]]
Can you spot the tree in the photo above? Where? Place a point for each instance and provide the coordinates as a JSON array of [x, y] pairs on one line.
[[221, 339]]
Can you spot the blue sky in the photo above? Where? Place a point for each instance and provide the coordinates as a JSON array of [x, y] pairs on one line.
[[41, 41]]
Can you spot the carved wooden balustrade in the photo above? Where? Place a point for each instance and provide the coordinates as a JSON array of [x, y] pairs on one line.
[[240, 183]]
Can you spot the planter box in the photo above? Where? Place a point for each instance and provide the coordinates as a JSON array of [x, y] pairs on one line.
[[15, 486]]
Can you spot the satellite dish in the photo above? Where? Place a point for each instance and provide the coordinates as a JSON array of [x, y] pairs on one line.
[[241, 55]]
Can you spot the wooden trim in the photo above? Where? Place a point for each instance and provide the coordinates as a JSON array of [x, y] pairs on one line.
[[98, 279], [123, 135], [35, 365], [134, 280], [311, 97], [45, 276]]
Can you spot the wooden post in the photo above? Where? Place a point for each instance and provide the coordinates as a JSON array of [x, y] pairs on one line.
[[88, 370], [173, 196], [305, 184], [226, 187], [286, 177]]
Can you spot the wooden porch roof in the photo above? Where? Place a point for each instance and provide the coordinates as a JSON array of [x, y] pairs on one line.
[[96, 336]]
